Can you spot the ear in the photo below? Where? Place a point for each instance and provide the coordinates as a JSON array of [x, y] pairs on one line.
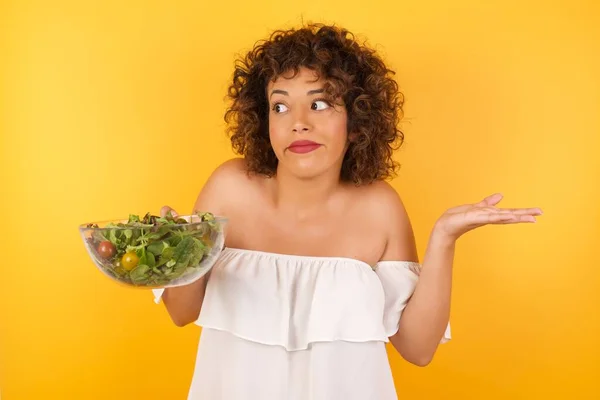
[[352, 137]]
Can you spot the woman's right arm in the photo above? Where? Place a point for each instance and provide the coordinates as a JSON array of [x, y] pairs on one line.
[[184, 303]]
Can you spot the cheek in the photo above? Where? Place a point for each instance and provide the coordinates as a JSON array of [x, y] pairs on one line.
[[339, 132], [276, 135]]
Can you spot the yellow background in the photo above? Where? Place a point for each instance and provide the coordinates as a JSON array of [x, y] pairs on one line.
[[110, 108]]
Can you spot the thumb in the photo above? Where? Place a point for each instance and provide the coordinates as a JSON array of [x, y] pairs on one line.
[[166, 209], [492, 200]]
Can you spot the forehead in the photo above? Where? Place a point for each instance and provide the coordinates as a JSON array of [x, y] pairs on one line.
[[304, 76]]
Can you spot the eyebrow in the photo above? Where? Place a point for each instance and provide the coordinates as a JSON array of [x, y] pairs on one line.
[[309, 93]]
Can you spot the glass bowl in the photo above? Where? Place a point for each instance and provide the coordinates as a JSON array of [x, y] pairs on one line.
[[155, 252]]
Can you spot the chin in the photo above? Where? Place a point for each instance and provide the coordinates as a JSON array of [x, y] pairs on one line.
[[306, 170]]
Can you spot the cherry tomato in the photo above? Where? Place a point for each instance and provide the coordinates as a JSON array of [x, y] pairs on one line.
[[129, 260], [106, 249]]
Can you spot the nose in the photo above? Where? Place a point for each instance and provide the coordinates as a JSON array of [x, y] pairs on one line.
[[301, 122]]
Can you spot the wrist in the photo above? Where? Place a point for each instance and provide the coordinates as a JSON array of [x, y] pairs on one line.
[[441, 238]]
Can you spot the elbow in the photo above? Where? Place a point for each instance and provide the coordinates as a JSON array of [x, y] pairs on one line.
[[181, 315], [420, 358], [415, 355], [421, 361], [183, 320], [179, 322]]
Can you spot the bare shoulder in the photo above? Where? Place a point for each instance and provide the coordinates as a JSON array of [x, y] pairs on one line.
[[227, 184], [230, 171], [378, 192], [383, 203]]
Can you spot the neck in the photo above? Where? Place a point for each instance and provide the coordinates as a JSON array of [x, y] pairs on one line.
[[304, 197]]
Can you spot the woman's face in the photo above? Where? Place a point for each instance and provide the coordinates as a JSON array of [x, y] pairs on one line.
[[308, 134]]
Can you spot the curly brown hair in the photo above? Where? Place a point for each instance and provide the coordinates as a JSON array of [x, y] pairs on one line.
[[353, 73]]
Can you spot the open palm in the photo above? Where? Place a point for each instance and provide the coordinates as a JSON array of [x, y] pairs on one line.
[[459, 220]]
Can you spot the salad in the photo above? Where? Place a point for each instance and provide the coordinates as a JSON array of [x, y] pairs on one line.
[[153, 251]]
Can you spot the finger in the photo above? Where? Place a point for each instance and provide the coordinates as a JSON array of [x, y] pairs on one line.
[[509, 218], [515, 219], [483, 212], [515, 211], [492, 210], [165, 210], [524, 211], [491, 200], [483, 217]]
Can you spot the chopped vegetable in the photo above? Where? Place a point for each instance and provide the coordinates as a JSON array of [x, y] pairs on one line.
[[152, 251]]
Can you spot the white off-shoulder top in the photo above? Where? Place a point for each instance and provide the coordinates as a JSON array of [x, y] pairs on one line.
[[288, 327]]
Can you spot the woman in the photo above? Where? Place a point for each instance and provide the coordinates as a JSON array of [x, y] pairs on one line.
[[320, 268]]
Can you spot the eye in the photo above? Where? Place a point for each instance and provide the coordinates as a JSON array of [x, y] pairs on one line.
[[319, 105], [279, 108]]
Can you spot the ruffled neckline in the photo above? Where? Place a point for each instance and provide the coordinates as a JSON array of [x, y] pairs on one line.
[[298, 257]]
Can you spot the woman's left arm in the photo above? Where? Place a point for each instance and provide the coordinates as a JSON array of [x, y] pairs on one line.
[[426, 315]]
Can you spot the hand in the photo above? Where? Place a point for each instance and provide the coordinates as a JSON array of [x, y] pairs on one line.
[[166, 209], [457, 221]]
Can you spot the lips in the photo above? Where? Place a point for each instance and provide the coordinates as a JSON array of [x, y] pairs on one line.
[[303, 146]]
